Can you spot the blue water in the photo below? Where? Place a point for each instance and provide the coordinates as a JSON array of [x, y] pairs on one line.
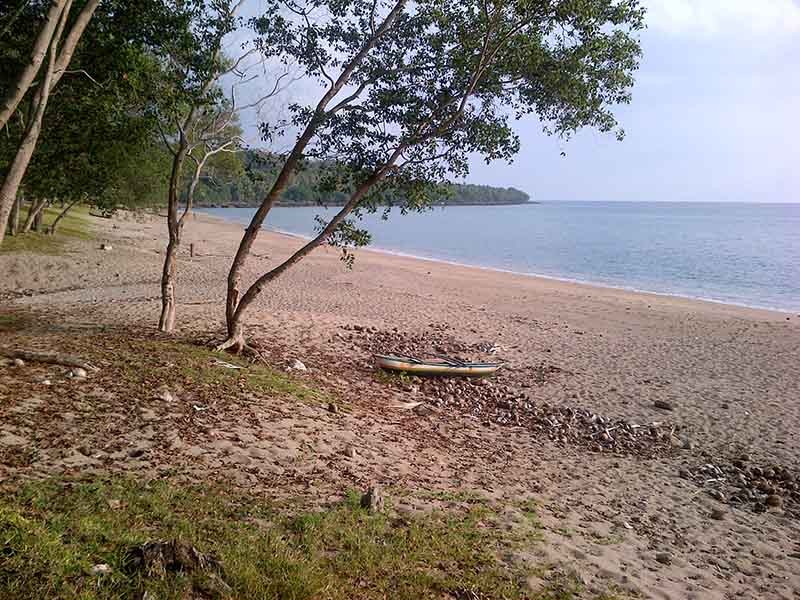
[[745, 254]]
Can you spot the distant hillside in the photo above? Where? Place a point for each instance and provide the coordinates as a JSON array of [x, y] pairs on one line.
[[249, 188]]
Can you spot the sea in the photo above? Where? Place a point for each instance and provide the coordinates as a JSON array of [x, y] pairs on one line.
[[735, 253]]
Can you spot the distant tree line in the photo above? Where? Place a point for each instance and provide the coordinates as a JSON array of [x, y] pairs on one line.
[[245, 184]]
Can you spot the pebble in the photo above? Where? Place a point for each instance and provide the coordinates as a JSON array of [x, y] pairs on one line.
[[78, 373], [18, 362], [350, 452], [665, 558], [101, 569], [662, 404], [717, 514], [106, 247], [332, 408], [774, 500], [135, 452]]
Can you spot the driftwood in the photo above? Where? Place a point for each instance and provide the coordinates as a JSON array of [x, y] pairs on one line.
[[53, 358]]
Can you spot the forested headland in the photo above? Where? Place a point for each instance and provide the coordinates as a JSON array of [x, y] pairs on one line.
[[248, 179]]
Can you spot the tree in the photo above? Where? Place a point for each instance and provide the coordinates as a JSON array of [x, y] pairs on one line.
[[59, 54], [97, 143], [198, 120], [418, 94]]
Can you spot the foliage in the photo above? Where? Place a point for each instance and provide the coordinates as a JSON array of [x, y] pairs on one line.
[[95, 133]]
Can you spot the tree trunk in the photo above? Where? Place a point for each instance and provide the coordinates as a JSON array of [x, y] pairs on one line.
[[13, 221], [38, 220], [52, 229], [38, 53], [236, 341], [285, 175], [37, 206], [166, 322]]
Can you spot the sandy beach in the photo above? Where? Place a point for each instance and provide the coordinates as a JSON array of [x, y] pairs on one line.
[[642, 524]]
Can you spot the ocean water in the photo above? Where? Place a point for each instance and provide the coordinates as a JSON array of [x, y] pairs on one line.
[[746, 254]]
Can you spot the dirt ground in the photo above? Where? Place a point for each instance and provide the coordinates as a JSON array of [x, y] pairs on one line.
[[660, 524]]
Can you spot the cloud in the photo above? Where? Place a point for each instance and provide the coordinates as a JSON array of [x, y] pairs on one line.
[[730, 18]]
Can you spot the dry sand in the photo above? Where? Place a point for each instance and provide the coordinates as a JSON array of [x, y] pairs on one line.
[[731, 374]]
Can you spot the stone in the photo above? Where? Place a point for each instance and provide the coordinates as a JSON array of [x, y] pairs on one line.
[[774, 500], [687, 444], [114, 504], [297, 365], [135, 452], [18, 362], [372, 500], [662, 404], [101, 569], [717, 514], [350, 452], [106, 247], [332, 408], [78, 373], [665, 558]]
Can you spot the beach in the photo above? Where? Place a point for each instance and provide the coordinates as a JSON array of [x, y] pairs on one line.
[[725, 379]]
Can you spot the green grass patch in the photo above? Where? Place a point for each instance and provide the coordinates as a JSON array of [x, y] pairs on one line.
[[75, 225], [153, 363], [52, 533]]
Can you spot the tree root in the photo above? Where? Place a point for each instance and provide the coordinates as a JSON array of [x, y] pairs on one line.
[[234, 345], [53, 358]]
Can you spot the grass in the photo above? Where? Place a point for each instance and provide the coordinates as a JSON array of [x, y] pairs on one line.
[[153, 363], [75, 225], [52, 533]]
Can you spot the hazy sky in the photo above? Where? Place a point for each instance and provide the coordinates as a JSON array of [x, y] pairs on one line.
[[715, 115]]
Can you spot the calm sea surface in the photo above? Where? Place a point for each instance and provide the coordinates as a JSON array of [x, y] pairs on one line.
[[737, 253]]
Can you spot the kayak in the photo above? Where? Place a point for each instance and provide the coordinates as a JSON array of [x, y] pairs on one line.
[[443, 366]]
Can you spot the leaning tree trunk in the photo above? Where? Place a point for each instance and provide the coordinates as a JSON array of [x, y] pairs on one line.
[[29, 72], [52, 229]]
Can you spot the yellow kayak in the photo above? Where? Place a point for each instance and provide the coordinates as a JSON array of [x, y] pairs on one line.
[[444, 366]]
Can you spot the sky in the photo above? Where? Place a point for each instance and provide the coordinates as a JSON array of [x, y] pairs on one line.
[[714, 115]]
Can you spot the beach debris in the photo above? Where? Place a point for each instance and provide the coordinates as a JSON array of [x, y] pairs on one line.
[[332, 408], [221, 363], [717, 514], [663, 405], [406, 405], [748, 486], [78, 373], [106, 247], [165, 395], [350, 452], [53, 358], [372, 500], [665, 558], [18, 362]]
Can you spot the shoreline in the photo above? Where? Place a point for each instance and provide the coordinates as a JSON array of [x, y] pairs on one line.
[[600, 286]]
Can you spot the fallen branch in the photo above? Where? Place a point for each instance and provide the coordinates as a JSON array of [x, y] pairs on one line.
[[53, 358]]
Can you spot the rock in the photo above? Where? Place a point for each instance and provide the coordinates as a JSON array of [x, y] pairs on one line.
[[774, 500], [687, 444], [101, 569], [46, 382], [135, 452], [78, 373], [350, 452], [332, 408], [665, 558], [106, 247], [296, 365], [717, 514], [18, 362], [166, 396], [662, 404], [423, 410], [372, 500]]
